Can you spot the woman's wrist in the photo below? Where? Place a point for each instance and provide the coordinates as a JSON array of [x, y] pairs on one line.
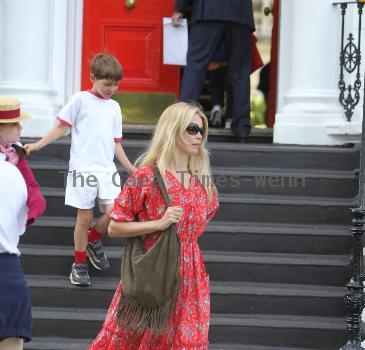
[[158, 225]]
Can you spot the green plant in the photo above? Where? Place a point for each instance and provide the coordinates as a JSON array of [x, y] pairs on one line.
[[258, 111]]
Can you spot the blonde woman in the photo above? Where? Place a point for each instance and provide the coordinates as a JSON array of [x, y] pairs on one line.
[[178, 150]]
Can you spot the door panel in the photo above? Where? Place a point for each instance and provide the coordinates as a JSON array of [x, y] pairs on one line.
[[134, 36], [142, 69]]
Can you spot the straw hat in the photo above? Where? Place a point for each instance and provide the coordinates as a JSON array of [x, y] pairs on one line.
[[10, 111]]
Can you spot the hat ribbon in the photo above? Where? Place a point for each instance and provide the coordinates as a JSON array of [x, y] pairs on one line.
[[15, 113]]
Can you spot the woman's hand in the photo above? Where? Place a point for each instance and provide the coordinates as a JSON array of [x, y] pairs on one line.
[[172, 216]]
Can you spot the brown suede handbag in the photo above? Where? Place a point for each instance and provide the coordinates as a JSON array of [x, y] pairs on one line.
[[150, 280]]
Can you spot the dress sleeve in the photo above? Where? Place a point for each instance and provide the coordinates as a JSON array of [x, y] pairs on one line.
[[212, 206], [67, 115], [131, 200]]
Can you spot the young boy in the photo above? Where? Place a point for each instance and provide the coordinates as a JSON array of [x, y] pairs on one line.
[[95, 121]]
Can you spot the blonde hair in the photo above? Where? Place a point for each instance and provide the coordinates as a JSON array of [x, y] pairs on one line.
[[169, 129]]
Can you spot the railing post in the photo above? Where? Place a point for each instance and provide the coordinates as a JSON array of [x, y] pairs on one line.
[[350, 59], [354, 297]]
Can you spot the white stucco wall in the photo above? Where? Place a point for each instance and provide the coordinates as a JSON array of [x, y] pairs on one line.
[[308, 111], [40, 56]]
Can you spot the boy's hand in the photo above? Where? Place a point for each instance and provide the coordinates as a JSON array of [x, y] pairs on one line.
[[132, 170], [30, 147]]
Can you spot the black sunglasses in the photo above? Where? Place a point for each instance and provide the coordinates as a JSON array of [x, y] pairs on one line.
[[194, 128]]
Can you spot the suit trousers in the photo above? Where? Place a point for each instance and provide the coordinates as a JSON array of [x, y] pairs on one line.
[[204, 37]]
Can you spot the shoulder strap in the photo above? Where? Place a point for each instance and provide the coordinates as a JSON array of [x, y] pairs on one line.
[[161, 184]]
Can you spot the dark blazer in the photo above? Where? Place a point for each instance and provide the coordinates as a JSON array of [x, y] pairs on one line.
[[222, 10]]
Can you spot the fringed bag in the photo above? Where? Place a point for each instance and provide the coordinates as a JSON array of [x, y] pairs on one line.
[[150, 280]]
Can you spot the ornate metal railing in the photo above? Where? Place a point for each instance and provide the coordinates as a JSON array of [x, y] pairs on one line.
[[350, 59]]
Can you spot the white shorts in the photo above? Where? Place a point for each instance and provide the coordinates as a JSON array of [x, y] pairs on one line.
[[83, 188]]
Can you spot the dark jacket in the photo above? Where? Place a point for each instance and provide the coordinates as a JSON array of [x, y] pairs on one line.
[[222, 10]]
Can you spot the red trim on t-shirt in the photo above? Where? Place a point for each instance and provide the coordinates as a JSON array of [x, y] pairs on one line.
[[63, 122], [95, 93], [117, 139]]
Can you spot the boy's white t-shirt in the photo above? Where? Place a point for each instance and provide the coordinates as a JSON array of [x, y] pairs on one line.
[[13, 207], [96, 124]]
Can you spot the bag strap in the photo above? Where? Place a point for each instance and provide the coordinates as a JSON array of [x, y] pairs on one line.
[[161, 185]]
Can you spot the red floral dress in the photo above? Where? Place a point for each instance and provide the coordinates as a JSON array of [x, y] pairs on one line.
[[189, 324]]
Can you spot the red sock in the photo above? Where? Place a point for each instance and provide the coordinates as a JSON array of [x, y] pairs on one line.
[[80, 257], [93, 235]]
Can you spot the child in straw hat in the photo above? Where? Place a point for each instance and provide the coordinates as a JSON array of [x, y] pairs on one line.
[[95, 121], [12, 151], [15, 303]]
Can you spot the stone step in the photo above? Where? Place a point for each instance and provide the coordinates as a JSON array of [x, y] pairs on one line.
[[57, 343], [144, 132], [280, 331], [49, 343], [238, 155], [245, 207], [222, 266], [226, 297], [250, 347], [235, 236], [267, 330], [239, 180]]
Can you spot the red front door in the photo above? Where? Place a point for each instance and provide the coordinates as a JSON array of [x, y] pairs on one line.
[[134, 36]]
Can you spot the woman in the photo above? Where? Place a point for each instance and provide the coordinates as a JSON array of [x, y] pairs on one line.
[[12, 151], [178, 150]]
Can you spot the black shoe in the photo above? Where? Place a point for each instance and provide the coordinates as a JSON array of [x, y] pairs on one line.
[[240, 139], [97, 256], [79, 275], [241, 135]]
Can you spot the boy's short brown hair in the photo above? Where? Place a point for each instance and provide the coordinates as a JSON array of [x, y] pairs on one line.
[[106, 66]]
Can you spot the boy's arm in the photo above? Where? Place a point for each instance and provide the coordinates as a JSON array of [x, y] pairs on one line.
[[54, 134], [122, 157]]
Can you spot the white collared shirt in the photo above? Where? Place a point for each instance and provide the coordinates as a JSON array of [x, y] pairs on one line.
[[96, 124], [13, 207]]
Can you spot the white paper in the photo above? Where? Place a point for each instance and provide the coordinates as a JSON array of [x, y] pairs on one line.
[[175, 42]]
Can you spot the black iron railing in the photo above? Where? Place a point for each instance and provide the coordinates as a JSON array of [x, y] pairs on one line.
[[350, 59]]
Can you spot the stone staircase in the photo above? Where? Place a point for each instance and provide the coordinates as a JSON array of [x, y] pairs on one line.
[[278, 250]]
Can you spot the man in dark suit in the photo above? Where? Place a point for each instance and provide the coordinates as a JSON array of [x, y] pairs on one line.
[[211, 21]]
